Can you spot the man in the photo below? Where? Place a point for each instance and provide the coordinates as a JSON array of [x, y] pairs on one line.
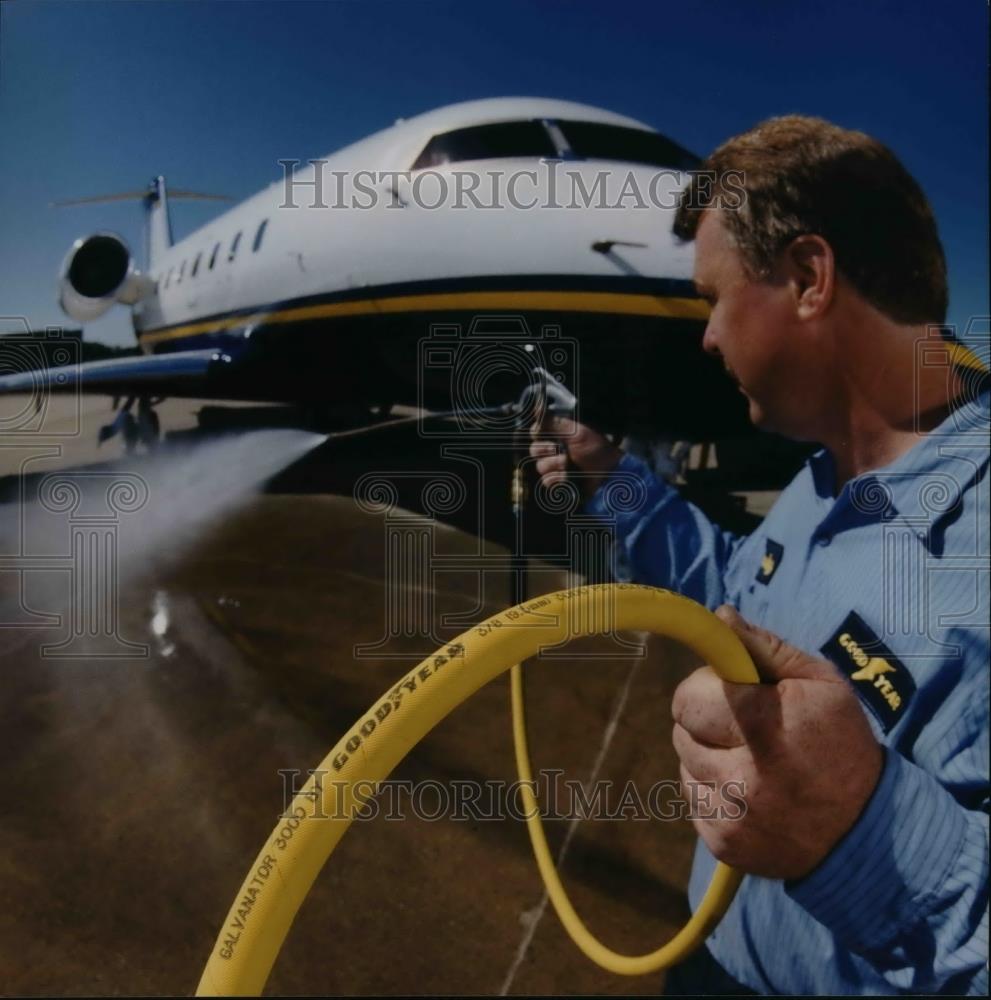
[[863, 596]]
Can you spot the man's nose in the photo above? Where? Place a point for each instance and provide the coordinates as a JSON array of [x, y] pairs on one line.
[[709, 339]]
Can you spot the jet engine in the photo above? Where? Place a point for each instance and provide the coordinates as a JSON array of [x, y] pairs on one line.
[[98, 271]]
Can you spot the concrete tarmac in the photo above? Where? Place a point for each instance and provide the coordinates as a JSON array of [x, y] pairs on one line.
[[137, 789]]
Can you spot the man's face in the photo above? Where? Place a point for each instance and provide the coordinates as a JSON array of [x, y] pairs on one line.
[[751, 327]]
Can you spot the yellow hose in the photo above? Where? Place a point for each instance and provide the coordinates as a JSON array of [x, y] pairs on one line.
[[288, 864], [722, 888]]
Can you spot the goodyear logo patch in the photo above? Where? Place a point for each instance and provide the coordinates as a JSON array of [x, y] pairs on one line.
[[771, 561], [878, 676]]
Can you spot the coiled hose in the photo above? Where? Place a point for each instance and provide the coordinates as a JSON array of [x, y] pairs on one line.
[[288, 864]]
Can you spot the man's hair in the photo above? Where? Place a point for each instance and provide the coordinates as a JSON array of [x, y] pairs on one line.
[[794, 175]]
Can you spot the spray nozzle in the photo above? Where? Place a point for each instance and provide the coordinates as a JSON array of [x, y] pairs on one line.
[[545, 394]]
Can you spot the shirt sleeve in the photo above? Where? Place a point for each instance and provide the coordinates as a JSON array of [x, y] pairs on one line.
[[906, 888], [661, 539]]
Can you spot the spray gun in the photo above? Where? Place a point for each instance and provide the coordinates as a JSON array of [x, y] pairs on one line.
[[545, 395]]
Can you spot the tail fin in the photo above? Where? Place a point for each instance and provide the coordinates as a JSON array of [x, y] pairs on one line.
[[158, 224]]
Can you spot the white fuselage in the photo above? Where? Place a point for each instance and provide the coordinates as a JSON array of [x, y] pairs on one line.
[[365, 231]]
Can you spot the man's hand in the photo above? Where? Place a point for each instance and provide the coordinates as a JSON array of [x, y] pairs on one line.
[[560, 444], [799, 748]]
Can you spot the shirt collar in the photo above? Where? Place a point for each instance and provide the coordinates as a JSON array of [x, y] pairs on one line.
[[922, 486]]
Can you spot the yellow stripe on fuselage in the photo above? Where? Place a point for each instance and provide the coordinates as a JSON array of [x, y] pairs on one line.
[[963, 357], [595, 302]]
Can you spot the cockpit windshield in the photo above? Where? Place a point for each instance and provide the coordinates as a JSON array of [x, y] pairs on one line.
[[487, 142], [554, 139], [596, 141]]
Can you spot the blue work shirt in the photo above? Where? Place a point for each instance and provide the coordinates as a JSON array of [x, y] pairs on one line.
[[889, 580]]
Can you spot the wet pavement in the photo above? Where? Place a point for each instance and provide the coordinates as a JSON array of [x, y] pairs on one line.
[[142, 774]]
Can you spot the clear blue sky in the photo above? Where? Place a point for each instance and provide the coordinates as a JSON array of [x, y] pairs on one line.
[[100, 97]]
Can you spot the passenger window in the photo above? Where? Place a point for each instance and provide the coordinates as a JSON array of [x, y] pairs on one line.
[[196, 265], [259, 236], [213, 256], [233, 250]]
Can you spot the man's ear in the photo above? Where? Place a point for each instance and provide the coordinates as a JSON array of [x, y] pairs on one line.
[[810, 268]]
